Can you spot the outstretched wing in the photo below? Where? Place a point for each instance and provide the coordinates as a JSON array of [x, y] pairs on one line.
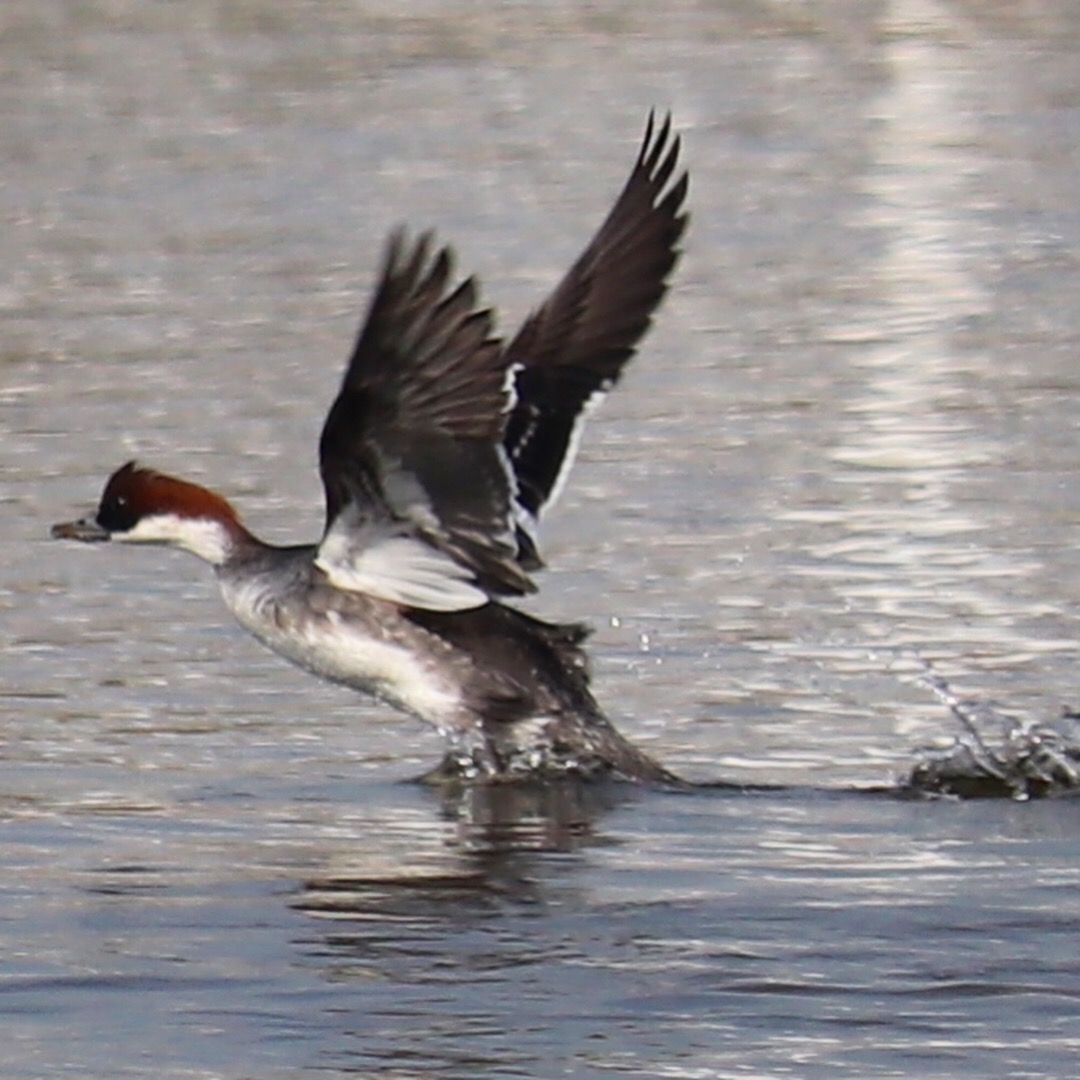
[[570, 351], [418, 487]]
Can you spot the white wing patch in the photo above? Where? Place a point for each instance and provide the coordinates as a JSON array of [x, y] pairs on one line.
[[588, 407], [406, 495], [371, 559]]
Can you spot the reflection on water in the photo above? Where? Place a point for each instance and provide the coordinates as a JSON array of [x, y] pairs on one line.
[[497, 832], [913, 417], [849, 448]]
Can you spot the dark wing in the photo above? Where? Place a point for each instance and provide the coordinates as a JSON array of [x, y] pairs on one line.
[[573, 348], [418, 490]]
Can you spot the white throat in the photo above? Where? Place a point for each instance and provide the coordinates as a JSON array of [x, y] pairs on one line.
[[208, 538]]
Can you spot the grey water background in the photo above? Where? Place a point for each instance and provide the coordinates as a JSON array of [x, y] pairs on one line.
[[849, 447]]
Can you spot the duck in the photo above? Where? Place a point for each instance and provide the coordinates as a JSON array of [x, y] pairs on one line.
[[442, 451]]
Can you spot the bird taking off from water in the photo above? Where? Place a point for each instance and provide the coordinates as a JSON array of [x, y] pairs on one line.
[[441, 453]]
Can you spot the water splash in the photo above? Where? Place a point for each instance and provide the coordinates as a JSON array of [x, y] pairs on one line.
[[998, 755]]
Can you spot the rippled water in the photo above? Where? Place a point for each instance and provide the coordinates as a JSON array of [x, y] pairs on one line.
[[847, 451]]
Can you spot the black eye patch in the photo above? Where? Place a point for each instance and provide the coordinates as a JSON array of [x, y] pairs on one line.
[[116, 513]]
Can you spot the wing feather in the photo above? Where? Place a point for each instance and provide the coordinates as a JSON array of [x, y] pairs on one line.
[[443, 447], [574, 347], [412, 446]]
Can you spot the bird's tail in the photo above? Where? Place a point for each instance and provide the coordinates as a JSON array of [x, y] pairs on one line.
[[602, 741]]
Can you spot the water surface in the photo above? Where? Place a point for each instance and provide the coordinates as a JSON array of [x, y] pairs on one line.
[[848, 449]]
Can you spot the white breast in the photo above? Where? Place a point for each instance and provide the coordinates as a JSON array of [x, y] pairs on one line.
[[343, 651]]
